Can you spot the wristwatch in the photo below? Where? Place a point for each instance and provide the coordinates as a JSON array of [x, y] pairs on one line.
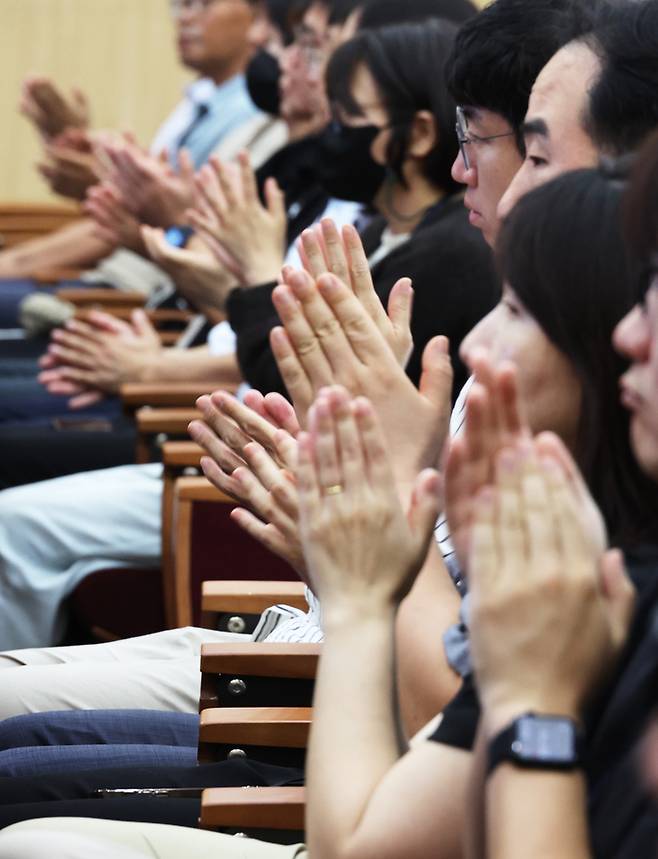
[[537, 741]]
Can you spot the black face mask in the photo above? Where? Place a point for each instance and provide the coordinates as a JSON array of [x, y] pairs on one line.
[[346, 169], [263, 74]]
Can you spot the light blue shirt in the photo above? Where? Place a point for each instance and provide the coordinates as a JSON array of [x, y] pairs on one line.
[[228, 106]]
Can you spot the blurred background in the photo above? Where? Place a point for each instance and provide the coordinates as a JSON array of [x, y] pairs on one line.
[[122, 54]]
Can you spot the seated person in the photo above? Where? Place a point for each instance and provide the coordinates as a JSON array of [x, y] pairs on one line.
[[364, 550]]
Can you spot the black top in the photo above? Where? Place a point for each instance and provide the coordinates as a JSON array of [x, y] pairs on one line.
[[623, 818], [454, 284]]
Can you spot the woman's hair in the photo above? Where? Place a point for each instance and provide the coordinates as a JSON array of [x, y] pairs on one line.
[[641, 209], [562, 252], [407, 63]]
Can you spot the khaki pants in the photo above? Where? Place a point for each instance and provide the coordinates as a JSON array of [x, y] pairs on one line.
[[152, 672], [84, 838]]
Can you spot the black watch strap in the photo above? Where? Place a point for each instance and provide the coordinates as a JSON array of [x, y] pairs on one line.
[[537, 741]]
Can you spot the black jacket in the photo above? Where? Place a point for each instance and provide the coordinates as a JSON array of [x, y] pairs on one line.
[[454, 284]]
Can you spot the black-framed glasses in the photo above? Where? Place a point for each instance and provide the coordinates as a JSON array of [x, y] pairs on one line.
[[464, 137]]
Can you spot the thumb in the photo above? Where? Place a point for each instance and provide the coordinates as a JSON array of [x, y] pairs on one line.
[[400, 302], [142, 323], [185, 165], [618, 592], [436, 377], [425, 506], [274, 197]]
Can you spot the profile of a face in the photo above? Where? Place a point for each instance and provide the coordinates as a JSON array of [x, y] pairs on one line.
[[548, 386], [555, 137], [636, 337]]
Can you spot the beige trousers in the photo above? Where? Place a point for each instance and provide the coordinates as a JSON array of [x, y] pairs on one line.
[[85, 838], [153, 672]]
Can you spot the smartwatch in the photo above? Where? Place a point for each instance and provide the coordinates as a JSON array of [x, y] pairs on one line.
[[536, 741]]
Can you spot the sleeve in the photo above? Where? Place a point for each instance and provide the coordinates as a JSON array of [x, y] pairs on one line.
[[460, 719], [252, 316]]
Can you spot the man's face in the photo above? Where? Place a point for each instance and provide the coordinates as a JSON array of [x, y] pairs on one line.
[[492, 165], [213, 35], [636, 337], [554, 133], [303, 97]]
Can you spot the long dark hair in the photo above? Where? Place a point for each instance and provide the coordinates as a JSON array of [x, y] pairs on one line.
[[562, 252], [407, 62]]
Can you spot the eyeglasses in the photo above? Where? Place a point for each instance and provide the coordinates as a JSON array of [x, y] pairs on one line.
[[312, 45], [465, 138], [177, 7]]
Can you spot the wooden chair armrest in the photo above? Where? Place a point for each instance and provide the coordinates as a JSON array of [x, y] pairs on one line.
[[167, 394], [243, 597], [169, 314], [261, 659], [253, 808], [283, 727], [182, 454], [199, 489], [49, 276], [152, 421], [100, 295]]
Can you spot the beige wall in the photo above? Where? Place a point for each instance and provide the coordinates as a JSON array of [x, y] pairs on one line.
[[121, 52]]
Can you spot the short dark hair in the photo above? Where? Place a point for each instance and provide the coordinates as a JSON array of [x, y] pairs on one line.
[[382, 13], [498, 55], [623, 103], [340, 10], [641, 210], [561, 250], [407, 63]]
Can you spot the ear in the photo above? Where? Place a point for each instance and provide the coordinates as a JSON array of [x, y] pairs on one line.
[[423, 136]]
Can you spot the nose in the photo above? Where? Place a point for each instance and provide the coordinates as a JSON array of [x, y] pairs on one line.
[[632, 336], [461, 174], [477, 338]]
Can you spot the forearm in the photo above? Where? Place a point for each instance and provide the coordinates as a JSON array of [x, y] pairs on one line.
[[426, 681], [192, 365], [73, 245], [355, 738], [536, 813]]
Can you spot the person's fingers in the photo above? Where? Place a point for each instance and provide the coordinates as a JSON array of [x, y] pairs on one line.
[[222, 426], [250, 422], [436, 377], [226, 458], [302, 337], [360, 276], [106, 322], [261, 464], [226, 187], [275, 199], [373, 444], [83, 401], [220, 479], [325, 327], [618, 591], [508, 401], [248, 180], [400, 305], [185, 166], [325, 446], [142, 324], [313, 258], [335, 251], [352, 461], [568, 527], [297, 382], [65, 339], [74, 357], [511, 512], [286, 448], [484, 561], [426, 503], [363, 335], [267, 535], [307, 478], [282, 413]]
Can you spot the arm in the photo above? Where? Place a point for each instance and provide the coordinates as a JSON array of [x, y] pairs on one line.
[[532, 557], [192, 365], [74, 245], [364, 799]]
